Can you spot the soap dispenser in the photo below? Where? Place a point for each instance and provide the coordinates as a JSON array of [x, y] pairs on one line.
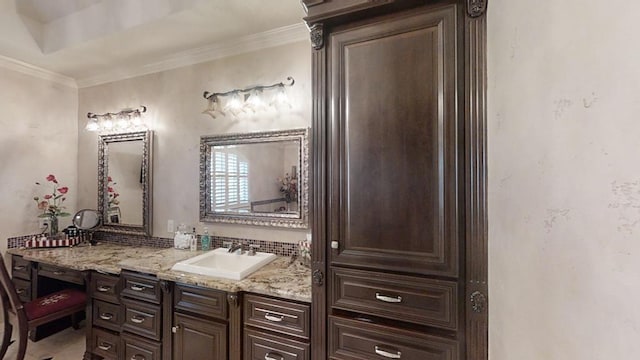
[[205, 240]]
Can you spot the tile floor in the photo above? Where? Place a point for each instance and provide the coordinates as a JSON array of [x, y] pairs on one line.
[[68, 344]]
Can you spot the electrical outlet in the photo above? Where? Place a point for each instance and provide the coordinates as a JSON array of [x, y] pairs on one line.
[[170, 226], [43, 223]]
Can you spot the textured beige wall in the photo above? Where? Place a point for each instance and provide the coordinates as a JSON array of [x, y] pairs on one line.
[[175, 103], [38, 136], [564, 180]]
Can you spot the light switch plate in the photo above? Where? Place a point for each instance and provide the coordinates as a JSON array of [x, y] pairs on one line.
[[170, 226]]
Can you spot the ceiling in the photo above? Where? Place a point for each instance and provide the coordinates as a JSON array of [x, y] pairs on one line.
[[97, 41]]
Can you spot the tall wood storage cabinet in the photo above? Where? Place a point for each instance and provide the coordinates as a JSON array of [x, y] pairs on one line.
[[399, 225]]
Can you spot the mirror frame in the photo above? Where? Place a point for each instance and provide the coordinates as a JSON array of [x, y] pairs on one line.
[[147, 181], [299, 221]]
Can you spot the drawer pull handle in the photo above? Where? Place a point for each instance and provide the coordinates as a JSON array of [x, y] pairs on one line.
[[137, 288], [19, 267], [103, 288], [58, 272], [393, 354], [105, 346], [19, 291], [137, 319], [389, 299], [272, 356], [106, 316], [274, 318], [138, 357]]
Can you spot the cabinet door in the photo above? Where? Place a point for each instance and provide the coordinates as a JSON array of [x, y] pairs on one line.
[[395, 140], [195, 338]]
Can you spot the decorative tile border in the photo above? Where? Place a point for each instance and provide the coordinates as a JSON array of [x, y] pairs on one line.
[[274, 247], [18, 241]]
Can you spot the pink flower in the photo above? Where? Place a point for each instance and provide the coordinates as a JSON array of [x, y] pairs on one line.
[[63, 190], [43, 205], [52, 178], [47, 197]]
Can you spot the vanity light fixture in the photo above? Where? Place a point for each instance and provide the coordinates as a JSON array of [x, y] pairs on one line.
[[252, 99], [124, 121]]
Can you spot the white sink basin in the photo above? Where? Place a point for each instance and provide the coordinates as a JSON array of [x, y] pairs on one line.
[[220, 263]]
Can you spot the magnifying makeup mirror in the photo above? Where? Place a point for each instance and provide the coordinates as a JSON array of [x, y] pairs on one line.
[[86, 219]]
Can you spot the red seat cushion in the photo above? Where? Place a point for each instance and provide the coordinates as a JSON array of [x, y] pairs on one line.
[[55, 302]]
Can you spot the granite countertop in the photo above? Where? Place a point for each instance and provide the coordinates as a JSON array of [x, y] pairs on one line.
[[282, 277]]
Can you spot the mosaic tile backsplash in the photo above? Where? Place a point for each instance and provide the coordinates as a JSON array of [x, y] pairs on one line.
[[278, 248]]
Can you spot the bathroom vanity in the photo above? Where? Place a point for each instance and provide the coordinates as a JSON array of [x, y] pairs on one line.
[[140, 309]]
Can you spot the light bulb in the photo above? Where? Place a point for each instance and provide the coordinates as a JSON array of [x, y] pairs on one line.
[[122, 122], [92, 125], [281, 97], [234, 103], [107, 123], [255, 100]]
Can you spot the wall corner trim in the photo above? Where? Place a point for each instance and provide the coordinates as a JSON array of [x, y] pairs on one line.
[[35, 71], [267, 39]]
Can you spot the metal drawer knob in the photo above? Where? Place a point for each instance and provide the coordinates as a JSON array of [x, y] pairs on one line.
[[137, 319], [388, 353], [105, 346], [389, 299], [103, 288], [106, 316], [273, 356]]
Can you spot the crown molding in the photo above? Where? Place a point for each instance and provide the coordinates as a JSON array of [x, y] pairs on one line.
[[245, 44], [35, 71]]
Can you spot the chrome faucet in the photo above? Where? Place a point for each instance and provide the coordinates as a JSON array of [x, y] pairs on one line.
[[235, 247]]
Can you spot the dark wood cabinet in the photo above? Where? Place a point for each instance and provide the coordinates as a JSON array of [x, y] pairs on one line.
[[104, 317], [202, 326], [146, 309], [198, 338], [399, 179], [275, 329]]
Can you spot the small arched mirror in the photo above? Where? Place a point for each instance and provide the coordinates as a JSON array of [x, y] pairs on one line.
[[86, 219]]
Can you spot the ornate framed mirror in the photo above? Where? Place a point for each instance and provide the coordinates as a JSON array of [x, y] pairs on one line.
[[255, 178], [125, 182]]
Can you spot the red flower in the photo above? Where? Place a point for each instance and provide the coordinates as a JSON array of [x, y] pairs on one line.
[[63, 190], [109, 179], [52, 178], [48, 196], [110, 189]]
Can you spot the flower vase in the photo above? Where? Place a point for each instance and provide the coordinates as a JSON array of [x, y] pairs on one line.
[[53, 225]]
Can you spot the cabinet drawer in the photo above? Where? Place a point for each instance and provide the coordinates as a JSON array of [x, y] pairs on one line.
[[23, 288], [277, 315], [206, 302], [412, 299], [142, 287], [20, 268], [261, 346], [358, 340], [64, 274], [142, 318], [105, 344], [107, 315], [104, 287], [136, 348]]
